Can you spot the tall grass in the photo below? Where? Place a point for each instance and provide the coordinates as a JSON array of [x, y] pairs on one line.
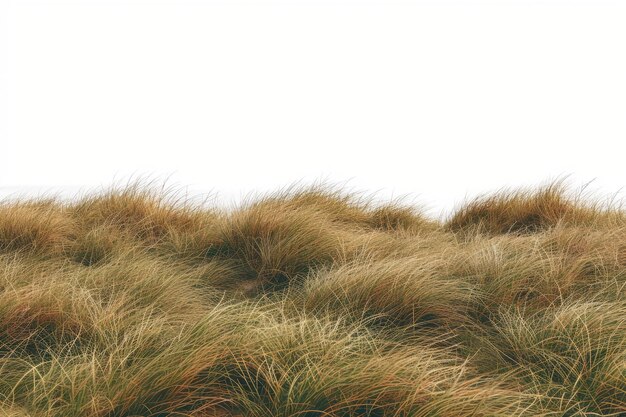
[[312, 302]]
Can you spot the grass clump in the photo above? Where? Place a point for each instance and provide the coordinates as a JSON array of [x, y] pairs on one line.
[[395, 292], [312, 302], [34, 226], [522, 211]]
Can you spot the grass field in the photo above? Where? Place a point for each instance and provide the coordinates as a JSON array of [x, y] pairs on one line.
[[312, 302]]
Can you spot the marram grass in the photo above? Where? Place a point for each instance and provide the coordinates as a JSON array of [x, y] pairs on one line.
[[312, 302]]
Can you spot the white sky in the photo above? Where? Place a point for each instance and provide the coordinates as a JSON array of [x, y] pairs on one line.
[[435, 99]]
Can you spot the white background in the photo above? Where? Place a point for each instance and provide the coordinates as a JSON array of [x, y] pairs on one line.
[[435, 99]]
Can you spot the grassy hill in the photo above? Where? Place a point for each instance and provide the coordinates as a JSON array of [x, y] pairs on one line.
[[312, 302]]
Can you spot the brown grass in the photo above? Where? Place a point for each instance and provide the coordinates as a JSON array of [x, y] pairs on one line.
[[312, 302]]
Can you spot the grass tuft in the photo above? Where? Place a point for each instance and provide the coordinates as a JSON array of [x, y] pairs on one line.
[[522, 211]]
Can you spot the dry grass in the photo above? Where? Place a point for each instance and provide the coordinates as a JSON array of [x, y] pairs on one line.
[[312, 302]]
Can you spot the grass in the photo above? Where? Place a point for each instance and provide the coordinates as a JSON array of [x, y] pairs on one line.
[[312, 302]]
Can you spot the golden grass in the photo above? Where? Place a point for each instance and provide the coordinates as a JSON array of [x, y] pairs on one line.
[[312, 302]]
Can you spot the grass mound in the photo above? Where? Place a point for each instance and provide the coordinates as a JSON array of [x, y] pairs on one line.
[[312, 302]]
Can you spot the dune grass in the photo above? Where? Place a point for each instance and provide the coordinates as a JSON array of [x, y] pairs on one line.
[[312, 302]]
